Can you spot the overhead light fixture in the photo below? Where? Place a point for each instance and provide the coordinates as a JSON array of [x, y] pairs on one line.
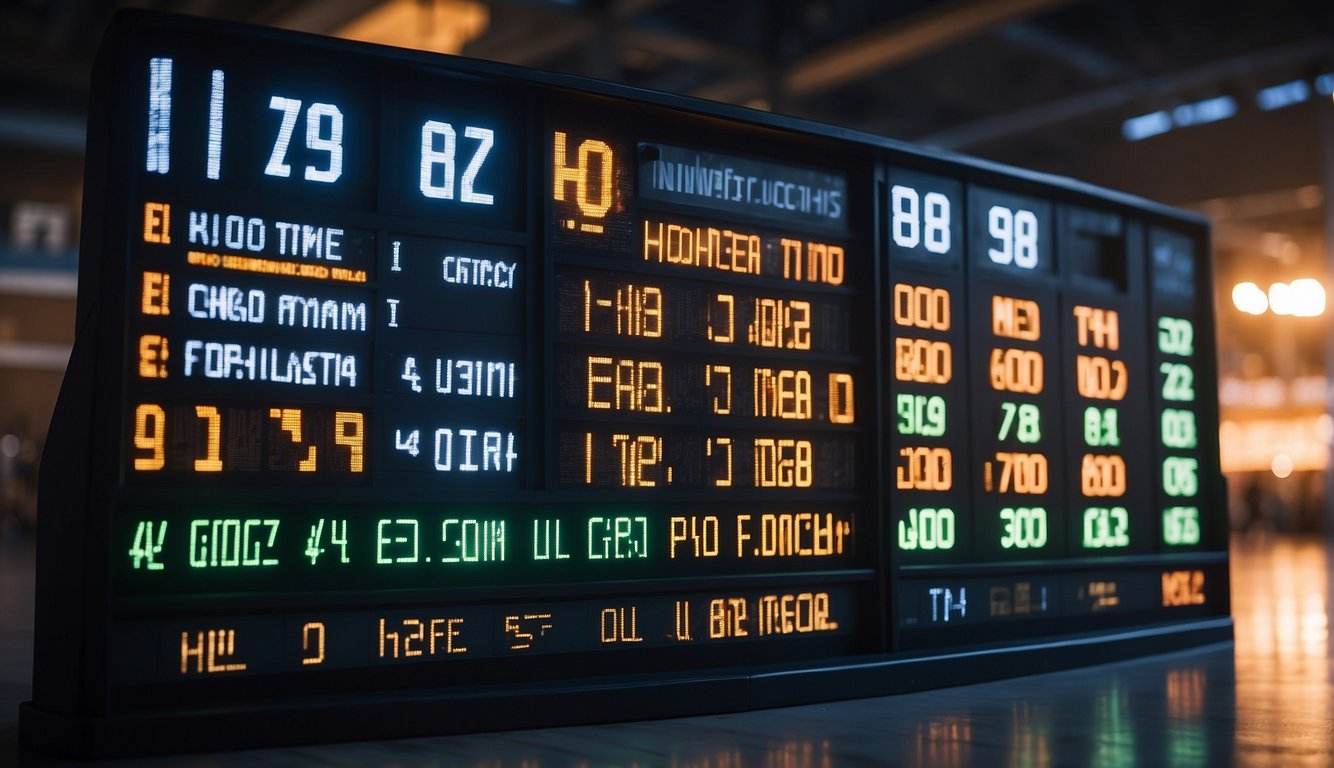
[[1283, 95]]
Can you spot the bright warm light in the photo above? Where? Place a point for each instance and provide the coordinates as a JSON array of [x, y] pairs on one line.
[[1250, 299], [1303, 297], [1281, 299], [443, 26], [1308, 298], [1281, 466]]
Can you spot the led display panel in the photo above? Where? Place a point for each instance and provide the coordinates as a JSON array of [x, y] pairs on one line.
[[414, 394]]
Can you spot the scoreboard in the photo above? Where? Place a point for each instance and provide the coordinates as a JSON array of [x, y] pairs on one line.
[[414, 394]]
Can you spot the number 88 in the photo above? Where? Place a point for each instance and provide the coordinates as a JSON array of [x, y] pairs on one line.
[[907, 224]]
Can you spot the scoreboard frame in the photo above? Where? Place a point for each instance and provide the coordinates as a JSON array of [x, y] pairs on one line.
[[77, 707]]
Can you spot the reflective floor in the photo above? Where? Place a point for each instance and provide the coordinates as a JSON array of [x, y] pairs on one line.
[[1267, 700]]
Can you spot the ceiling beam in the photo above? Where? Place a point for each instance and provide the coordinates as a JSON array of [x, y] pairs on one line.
[[1126, 93], [880, 49]]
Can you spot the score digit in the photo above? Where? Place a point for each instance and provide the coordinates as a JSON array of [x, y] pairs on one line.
[[1017, 233], [921, 415], [315, 141], [1029, 427], [150, 429], [908, 225], [440, 162]]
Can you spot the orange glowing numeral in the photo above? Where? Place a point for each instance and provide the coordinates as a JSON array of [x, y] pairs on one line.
[[1103, 475], [594, 200], [290, 419], [150, 429], [720, 376], [926, 469], [353, 438], [1016, 370], [1024, 473], [1100, 328], [784, 463], [1100, 378], [724, 450], [842, 409], [920, 306], [928, 362], [722, 312], [212, 461], [1015, 318]]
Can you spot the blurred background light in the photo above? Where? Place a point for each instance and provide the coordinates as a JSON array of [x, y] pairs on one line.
[[1248, 298]]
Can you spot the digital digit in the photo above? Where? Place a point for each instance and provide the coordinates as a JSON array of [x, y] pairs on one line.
[[927, 529], [1017, 370], [1100, 427], [903, 201], [1106, 527], [1026, 420], [411, 444], [441, 159], [487, 138], [1181, 526], [1017, 236], [1178, 382], [150, 429], [349, 431], [291, 109], [1178, 428], [1176, 336], [1024, 527], [212, 461], [1180, 476], [290, 422]]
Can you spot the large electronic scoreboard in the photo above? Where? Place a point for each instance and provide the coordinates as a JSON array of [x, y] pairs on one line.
[[415, 394]]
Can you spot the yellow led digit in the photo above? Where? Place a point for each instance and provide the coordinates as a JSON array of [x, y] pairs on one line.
[[349, 431], [150, 427], [290, 418], [212, 461], [593, 200], [842, 410], [1016, 370]]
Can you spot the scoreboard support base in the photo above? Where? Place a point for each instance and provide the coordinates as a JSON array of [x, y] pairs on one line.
[[588, 701]]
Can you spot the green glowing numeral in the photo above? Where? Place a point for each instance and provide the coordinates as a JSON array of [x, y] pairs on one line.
[[410, 374], [1178, 428], [1180, 476], [921, 415], [337, 538], [146, 546], [1179, 383], [1181, 525], [1029, 427], [412, 444], [233, 543], [1176, 336], [1106, 527], [1100, 427], [1025, 527], [403, 544], [927, 529]]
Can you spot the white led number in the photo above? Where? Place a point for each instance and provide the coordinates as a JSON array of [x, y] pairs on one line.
[[440, 164], [908, 223], [1017, 233], [318, 116]]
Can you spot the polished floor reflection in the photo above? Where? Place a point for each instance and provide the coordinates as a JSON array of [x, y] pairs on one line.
[[1267, 700]]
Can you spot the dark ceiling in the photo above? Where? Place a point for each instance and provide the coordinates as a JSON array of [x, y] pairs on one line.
[[1045, 84]]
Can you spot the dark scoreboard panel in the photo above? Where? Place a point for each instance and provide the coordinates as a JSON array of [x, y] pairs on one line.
[[478, 397]]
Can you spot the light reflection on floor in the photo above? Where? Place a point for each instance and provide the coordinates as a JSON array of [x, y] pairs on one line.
[[1268, 701]]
